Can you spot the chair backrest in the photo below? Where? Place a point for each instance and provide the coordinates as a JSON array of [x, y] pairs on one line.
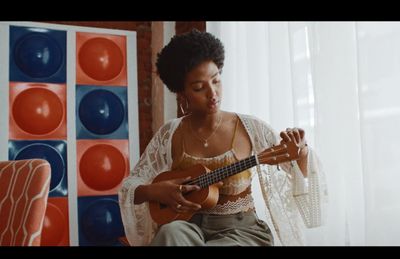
[[24, 189]]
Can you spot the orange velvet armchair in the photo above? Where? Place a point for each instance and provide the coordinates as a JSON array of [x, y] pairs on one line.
[[24, 189]]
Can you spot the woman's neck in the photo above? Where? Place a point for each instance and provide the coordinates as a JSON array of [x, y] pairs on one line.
[[205, 121]]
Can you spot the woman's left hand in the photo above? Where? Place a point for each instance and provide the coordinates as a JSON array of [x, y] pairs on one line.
[[296, 135]]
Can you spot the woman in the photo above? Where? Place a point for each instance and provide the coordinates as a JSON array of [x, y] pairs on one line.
[[190, 66]]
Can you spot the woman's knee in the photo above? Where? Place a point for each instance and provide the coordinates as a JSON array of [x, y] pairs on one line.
[[174, 227], [177, 233]]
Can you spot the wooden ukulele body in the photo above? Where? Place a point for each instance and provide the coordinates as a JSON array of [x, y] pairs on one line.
[[206, 197]]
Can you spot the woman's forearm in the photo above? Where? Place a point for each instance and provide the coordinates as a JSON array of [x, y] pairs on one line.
[[142, 194]]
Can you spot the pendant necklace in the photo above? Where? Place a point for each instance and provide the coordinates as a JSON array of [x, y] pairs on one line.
[[205, 141]]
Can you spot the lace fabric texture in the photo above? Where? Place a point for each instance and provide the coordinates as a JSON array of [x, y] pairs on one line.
[[292, 201], [232, 207]]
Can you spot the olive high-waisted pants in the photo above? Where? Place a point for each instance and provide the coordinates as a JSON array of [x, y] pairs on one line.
[[241, 229]]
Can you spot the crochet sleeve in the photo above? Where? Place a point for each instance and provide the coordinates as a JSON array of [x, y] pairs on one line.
[[139, 227], [309, 193]]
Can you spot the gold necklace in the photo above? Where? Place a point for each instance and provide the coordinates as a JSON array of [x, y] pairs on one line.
[[205, 141]]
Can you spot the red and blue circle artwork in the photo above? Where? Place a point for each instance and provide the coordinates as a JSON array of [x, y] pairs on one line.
[[102, 167], [37, 55], [100, 220]]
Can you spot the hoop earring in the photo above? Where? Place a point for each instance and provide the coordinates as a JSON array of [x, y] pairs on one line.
[[184, 111]]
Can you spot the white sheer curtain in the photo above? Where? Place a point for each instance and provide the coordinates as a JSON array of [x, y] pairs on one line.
[[340, 82]]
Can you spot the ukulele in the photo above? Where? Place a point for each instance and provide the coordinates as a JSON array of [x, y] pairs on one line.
[[208, 194]]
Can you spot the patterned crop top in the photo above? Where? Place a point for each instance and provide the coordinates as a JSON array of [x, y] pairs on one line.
[[235, 194]]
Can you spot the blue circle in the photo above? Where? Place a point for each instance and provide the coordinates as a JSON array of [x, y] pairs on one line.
[[49, 153], [101, 222], [38, 55], [101, 112]]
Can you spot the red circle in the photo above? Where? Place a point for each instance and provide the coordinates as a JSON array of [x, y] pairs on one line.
[[37, 111], [102, 167], [54, 226], [101, 59]]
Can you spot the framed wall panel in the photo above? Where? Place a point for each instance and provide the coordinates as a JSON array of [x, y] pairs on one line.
[[68, 94]]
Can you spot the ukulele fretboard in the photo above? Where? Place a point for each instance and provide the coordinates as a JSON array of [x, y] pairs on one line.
[[217, 175]]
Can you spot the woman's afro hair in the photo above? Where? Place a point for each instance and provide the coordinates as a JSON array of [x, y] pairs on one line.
[[183, 53]]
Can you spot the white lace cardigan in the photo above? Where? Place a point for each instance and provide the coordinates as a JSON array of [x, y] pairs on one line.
[[292, 201]]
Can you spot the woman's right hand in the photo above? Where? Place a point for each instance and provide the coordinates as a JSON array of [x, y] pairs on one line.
[[171, 192]]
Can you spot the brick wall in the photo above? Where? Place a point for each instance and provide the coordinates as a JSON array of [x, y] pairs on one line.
[[182, 27]]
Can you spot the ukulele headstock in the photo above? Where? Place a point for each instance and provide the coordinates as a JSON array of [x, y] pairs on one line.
[[279, 154]]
